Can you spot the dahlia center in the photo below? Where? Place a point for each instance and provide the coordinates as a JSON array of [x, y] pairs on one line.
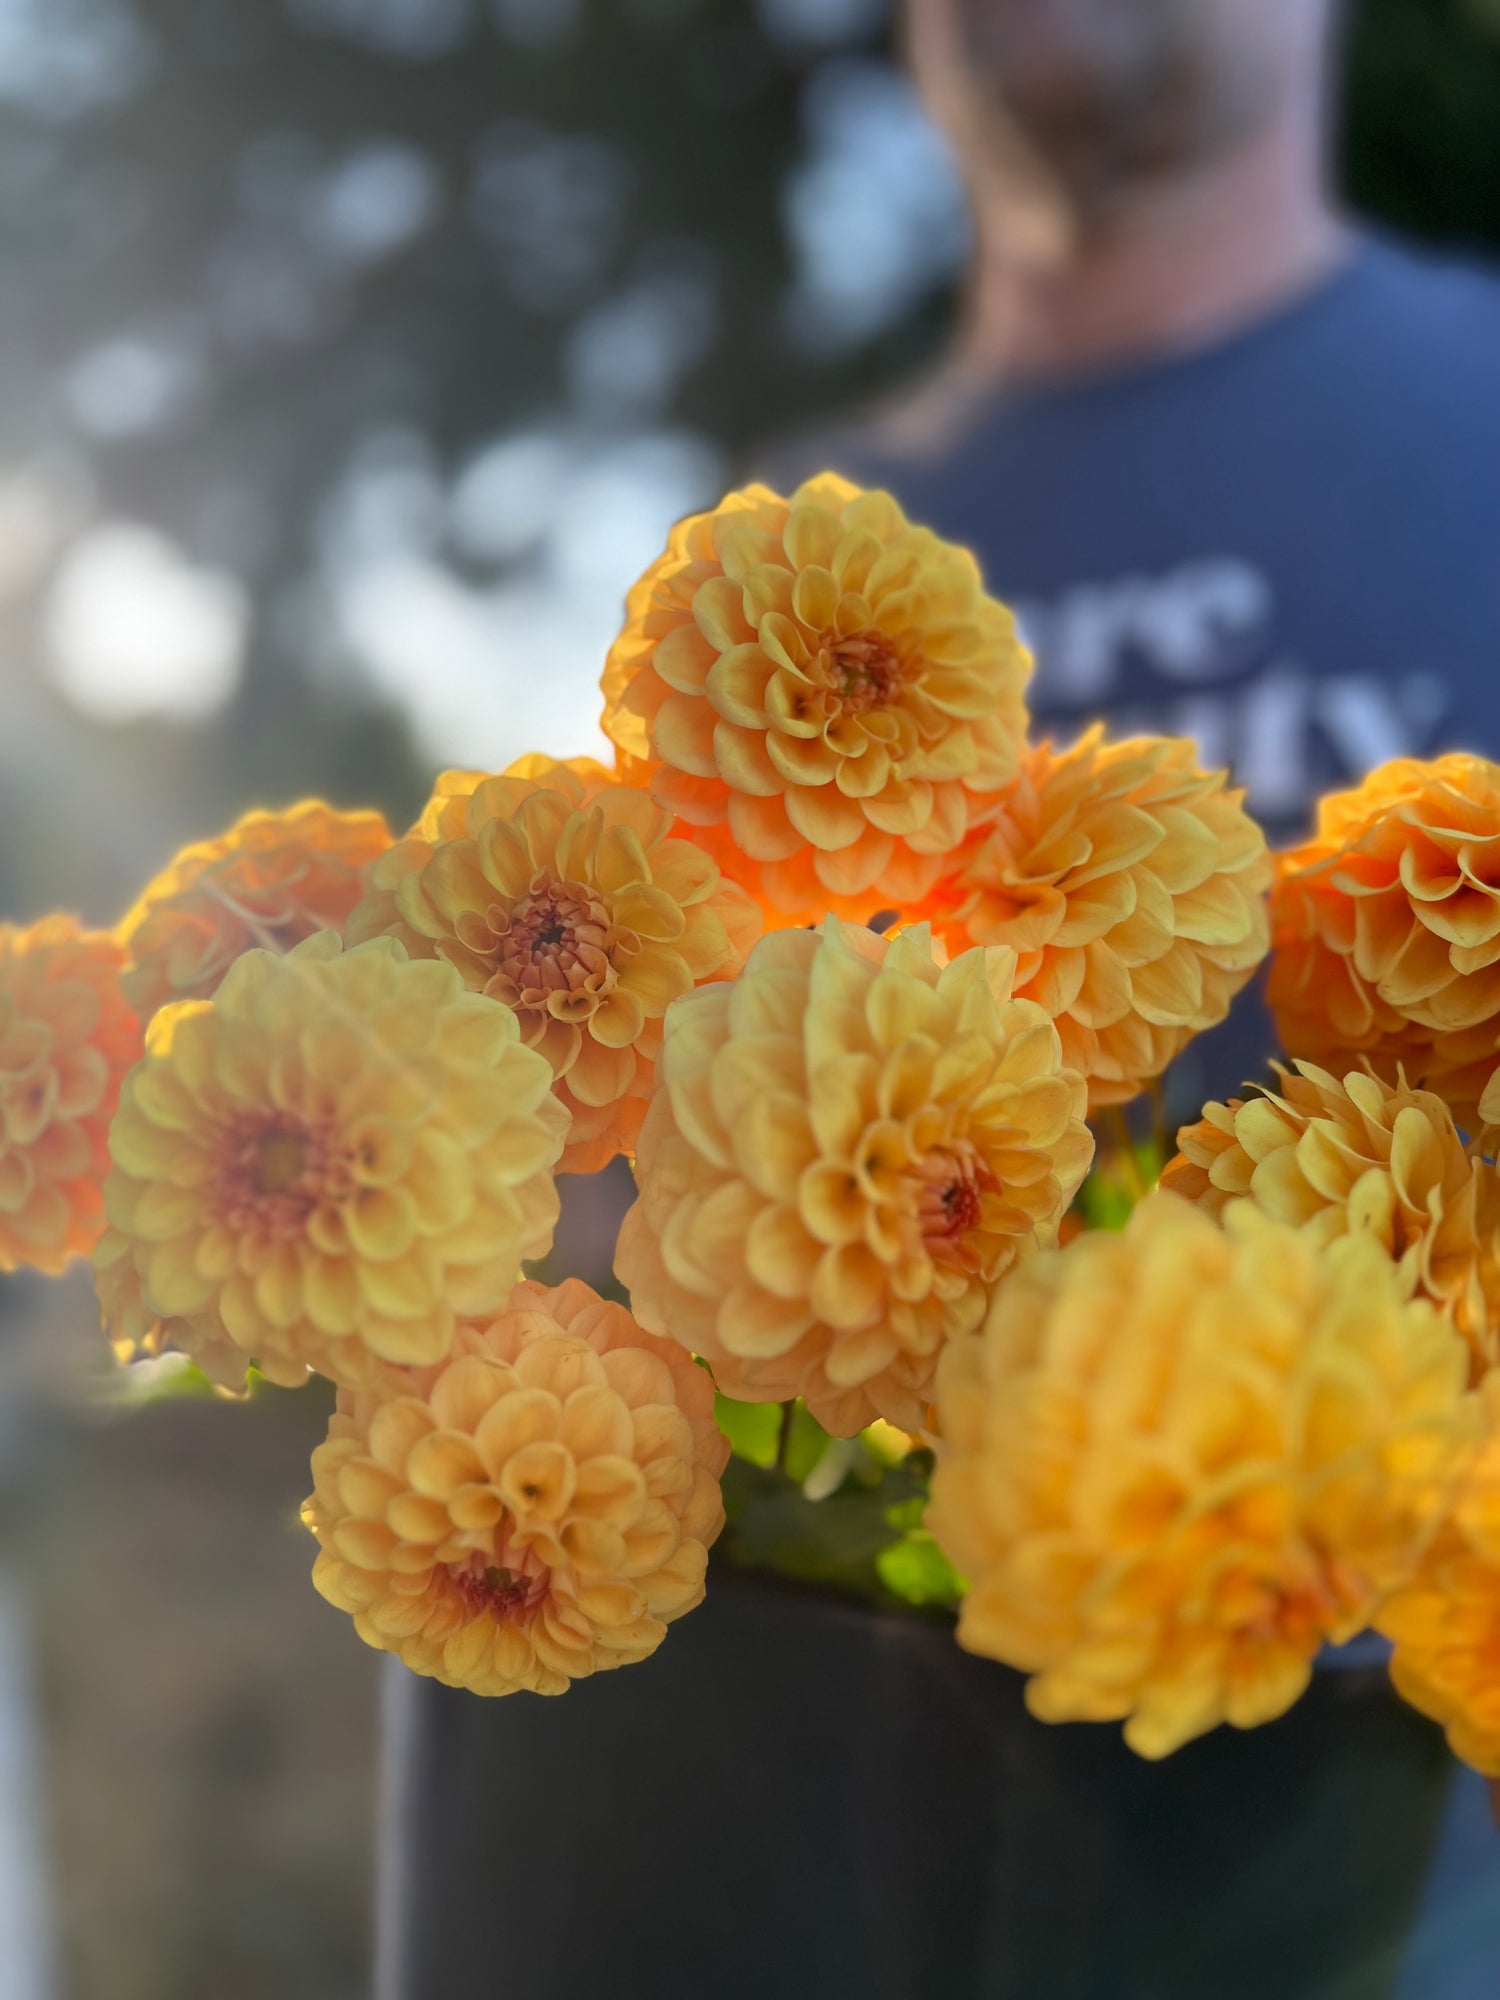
[[280, 1158], [274, 1173], [509, 1586], [951, 1184], [865, 671], [556, 939]]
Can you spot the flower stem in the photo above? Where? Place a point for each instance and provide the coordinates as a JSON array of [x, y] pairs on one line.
[[784, 1439], [1130, 1166]]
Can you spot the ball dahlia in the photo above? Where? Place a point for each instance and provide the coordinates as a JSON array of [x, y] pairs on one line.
[[1131, 885], [1386, 928], [67, 1037], [1445, 1625], [824, 690], [273, 879], [1179, 1458], [327, 1163], [536, 1508], [847, 1148], [560, 891], [1331, 1157]]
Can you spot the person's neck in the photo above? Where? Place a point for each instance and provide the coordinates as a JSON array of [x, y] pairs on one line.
[[1174, 269]]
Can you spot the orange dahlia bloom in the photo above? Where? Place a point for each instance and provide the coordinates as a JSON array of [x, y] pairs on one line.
[[536, 1508], [1331, 1157], [1131, 885], [326, 1164], [273, 879], [1386, 927], [1446, 1624], [1181, 1457], [67, 1037], [848, 1147], [561, 891], [821, 688]]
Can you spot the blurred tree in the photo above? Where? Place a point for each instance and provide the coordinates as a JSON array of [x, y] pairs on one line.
[[282, 275]]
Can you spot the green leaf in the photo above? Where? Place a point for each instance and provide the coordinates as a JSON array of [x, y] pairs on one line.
[[1104, 1202], [834, 1542], [916, 1570], [164, 1378], [806, 1445], [753, 1429]]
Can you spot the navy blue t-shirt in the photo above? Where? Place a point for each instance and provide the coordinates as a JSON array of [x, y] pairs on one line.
[[1285, 545]]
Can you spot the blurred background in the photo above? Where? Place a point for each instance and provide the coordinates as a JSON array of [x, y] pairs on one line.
[[354, 356]]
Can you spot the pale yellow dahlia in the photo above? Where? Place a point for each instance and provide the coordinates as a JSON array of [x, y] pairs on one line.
[[1179, 1458], [326, 1164], [273, 879], [1446, 1624], [67, 1037], [848, 1147], [823, 690], [561, 891], [1132, 886], [536, 1508], [1386, 928], [1331, 1157]]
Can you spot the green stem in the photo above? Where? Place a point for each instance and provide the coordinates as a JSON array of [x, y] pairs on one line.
[[1119, 1127], [784, 1439]]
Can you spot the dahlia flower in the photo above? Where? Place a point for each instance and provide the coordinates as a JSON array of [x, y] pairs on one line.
[[1386, 928], [847, 1148], [1331, 1157], [1179, 1458], [327, 1163], [273, 879], [1131, 886], [561, 891], [824, 690], [535, 1508], [67, 1037], [1445, 1625]]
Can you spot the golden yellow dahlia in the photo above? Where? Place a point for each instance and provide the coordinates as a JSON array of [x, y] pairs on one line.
[[1131, 885], [1446, 1632], [561, 891], [824, 690], [1386, 927], [67, 1037], [1179, 1458], [536, 1508], [1330, 1157], [273, 879], [327, 1163], [1446, 1624], [848, 1147]]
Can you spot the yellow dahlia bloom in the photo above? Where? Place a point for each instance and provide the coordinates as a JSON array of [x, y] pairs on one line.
[[821, 688], [327, 1163], [1331, 1157], [561, 891], [848, 1147], [273, 879], [536, 1508], [1132, 887], [67, 1037], [1386, 927], [1179, 1458], [1446, 1624]]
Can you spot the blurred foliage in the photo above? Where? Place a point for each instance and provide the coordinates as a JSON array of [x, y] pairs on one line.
[[301, 226], [915, 1568], [1421, 128], [844, 1513]]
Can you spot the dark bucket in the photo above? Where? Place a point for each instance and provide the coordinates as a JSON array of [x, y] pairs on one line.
[[799, 1799]]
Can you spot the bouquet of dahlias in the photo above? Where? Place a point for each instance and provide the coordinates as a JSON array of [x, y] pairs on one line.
[[846, 965]]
